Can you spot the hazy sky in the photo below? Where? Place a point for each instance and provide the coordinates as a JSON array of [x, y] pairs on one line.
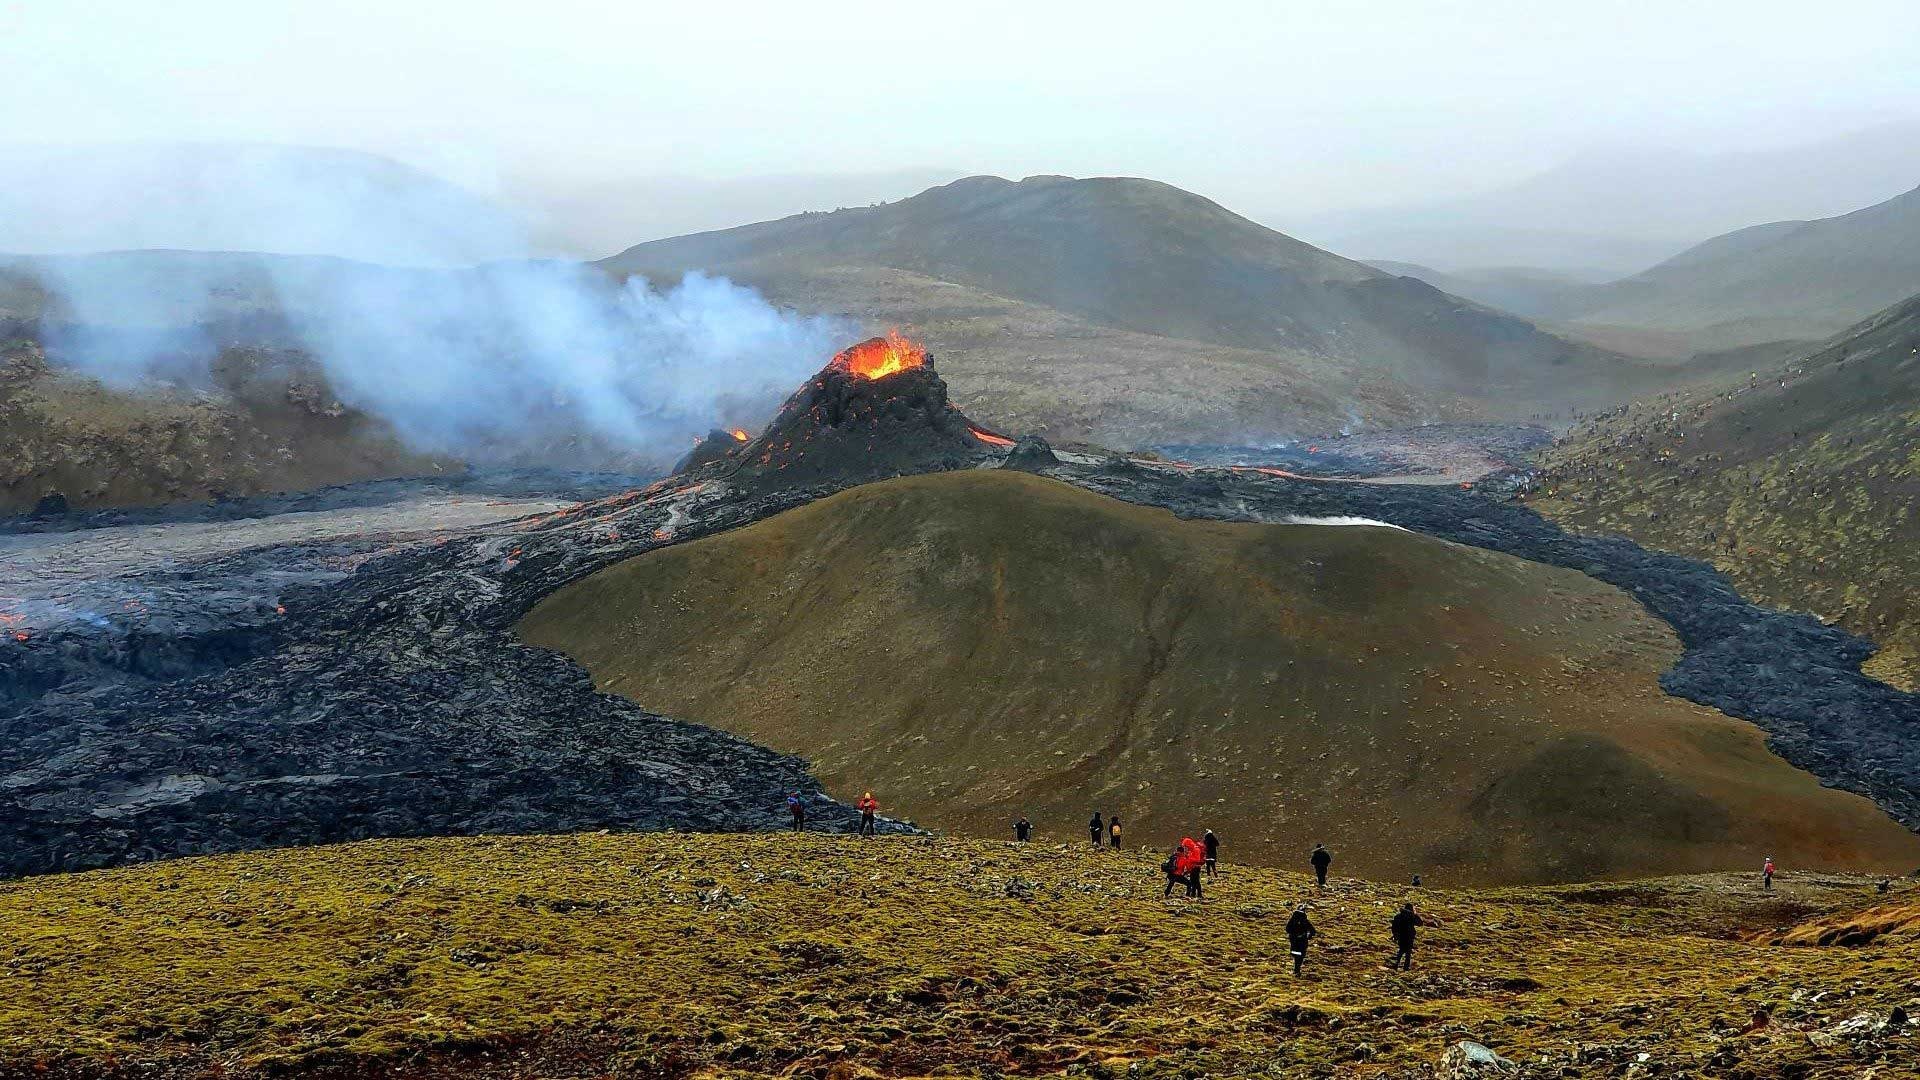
[[1310, 105]]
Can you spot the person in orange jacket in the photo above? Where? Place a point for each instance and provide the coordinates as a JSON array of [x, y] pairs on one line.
[[869, 808]]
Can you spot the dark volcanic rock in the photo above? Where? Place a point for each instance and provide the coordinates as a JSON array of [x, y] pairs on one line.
[[1030, 454], [844, 428], [717, 445], [395, 699]]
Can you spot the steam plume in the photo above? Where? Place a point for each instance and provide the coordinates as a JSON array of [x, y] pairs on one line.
[[496, 361]]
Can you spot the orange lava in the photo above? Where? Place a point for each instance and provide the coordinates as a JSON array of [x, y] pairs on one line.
[[739, 434], [989, 437], [877, 358]]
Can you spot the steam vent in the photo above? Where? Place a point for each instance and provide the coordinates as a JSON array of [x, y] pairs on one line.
[[878, 409]]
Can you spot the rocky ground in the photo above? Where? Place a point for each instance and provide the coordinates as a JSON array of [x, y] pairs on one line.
[[394, 700], [823, 957]]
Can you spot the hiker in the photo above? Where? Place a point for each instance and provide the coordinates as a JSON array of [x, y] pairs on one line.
[[1171, 868], [1113, 832], [1022, 829], [1321, 859], [1299, 931], [869, 808], [796, 808], [1212, 844], [1404, 922], [1188, 857], [1098, 828], [1766, 873]]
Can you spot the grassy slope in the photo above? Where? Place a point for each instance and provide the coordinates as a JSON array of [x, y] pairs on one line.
[[1804, 493], [732, 955], [980, 645]]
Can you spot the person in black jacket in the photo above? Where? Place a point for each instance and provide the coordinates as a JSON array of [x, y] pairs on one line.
[[1212, 844], [1299, 931], [1098, 828], [1404, 922], [1169, 868], [1321, 859], [1022, 829]]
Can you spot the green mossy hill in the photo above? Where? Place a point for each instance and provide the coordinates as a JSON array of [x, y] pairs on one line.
[[818, 956], [1802, 484], [980, 645]]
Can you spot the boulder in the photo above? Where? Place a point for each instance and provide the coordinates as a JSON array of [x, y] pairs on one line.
[[1470, 1061], [1030, 453]]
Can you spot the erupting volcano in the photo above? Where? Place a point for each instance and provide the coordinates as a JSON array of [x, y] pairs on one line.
[[877, 409], [877, 358]]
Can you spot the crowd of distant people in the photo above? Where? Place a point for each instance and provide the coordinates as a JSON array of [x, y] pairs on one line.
[[1190, 860]]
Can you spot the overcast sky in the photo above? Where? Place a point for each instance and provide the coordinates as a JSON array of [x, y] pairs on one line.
[[1313, 105]]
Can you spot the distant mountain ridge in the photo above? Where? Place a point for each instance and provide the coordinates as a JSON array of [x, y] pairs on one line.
[[1622, 210], [1148, 258], [1783, 279]]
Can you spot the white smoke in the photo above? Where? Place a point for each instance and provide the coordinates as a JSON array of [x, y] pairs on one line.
[[479, 361]]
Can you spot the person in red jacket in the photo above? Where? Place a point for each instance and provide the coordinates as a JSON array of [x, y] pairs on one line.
[[869, 808], [1187, 862], [1766, 873]]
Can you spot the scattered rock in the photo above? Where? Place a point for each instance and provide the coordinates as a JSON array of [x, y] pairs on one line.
[[1470, 1061]]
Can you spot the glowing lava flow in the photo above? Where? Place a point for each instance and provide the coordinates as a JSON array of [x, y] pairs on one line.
[[989, 437], [739, 434], [877, 358]]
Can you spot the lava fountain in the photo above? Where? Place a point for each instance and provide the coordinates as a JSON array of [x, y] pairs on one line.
[[877, 358]]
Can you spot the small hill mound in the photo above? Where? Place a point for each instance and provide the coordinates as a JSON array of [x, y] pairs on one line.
[[976, 646], [1144, 257], [1798, 482], [1801, 280]]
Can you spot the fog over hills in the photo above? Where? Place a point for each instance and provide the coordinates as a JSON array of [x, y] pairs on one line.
[[1782, 279], [292, 200], [1614, 212]]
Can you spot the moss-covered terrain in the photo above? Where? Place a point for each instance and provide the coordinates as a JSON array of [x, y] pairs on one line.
[[818, 956], [268, 424], [978, 645], [1800, 483]]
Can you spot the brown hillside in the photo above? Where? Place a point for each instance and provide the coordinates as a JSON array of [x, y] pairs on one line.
[[1800, 483], [994, 272], [980, 645], [267, 426]]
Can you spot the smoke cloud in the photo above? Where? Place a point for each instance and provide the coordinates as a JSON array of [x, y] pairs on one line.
[[503, 361]]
